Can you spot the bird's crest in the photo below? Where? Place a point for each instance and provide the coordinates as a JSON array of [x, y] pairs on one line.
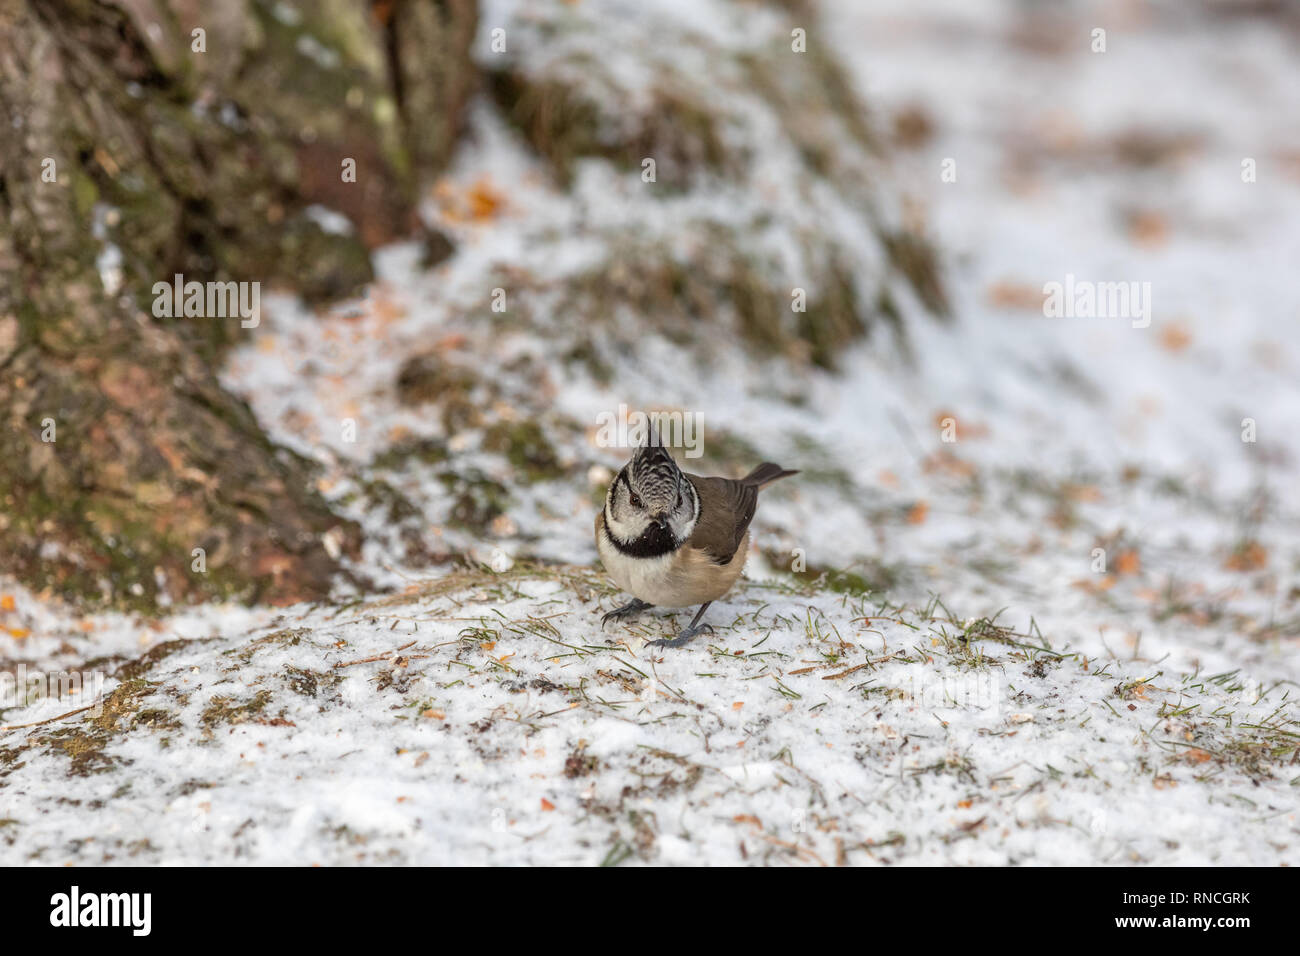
[[652, 464]]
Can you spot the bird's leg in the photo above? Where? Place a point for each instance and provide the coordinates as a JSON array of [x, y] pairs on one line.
[[635, 606], [685, 636]]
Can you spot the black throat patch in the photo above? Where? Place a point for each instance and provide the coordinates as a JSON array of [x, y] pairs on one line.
[[654, 542]]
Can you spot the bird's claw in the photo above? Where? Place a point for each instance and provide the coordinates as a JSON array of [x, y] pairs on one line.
[[682, 639], [632, 607]]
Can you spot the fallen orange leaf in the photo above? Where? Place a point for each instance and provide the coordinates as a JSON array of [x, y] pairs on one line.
[[1083, 492], [1175, 337], [1015, 295], [1248, 557], [1148, 228], [484, 201]]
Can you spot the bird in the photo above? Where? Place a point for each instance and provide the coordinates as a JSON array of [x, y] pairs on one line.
[[673, 539]]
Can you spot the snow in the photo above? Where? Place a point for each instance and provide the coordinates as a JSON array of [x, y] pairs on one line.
[[1140, 715], [469, 741]]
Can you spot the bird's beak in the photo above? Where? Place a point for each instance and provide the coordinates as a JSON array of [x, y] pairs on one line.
[[661, 520]]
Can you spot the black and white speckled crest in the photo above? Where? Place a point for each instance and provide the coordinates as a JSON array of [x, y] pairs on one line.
[[655, 476]]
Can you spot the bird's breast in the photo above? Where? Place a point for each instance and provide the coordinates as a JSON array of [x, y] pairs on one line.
[[680, 578]]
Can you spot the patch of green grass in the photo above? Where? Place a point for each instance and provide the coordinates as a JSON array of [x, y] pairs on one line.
[[861, 578]]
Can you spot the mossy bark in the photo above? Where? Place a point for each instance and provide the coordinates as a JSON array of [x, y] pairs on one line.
[[155, 137]]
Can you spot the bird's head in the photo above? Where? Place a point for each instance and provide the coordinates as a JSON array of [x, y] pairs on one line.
[[651, 498]]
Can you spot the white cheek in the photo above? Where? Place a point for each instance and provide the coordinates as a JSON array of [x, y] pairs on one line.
[[628, 529], [682, 527]]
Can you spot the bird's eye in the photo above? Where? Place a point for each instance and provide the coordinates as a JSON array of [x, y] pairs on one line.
[[636, 500]]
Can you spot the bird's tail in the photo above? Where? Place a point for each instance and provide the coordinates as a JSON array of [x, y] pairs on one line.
[[765, 474]]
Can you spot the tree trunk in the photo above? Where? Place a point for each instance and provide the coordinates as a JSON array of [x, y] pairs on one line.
[[150, 138]]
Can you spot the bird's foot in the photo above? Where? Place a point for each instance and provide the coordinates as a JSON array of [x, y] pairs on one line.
[[682, 639], [635, 606]]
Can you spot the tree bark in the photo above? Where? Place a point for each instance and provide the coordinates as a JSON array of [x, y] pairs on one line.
[[147, 138]]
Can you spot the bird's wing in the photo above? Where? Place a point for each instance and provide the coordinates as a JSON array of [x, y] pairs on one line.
[[726, 509]]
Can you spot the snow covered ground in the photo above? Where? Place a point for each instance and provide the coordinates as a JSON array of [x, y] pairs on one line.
[[1067, 635]]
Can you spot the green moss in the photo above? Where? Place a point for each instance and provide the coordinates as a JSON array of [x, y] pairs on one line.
[[876, 577], [84, 743], [832, 320], [324, 265], [586, 353], [84, 192], [380, 495], [915, 257], [686, 300], [289, 637], [865, 576], [565, 121], [225, 710], [309, 683], [427, 451], [10, 760], [477, 499], [158, 718], [85, 752], [119, 543], [146, 661], [122, 703], [527, 449], [428, 379]]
